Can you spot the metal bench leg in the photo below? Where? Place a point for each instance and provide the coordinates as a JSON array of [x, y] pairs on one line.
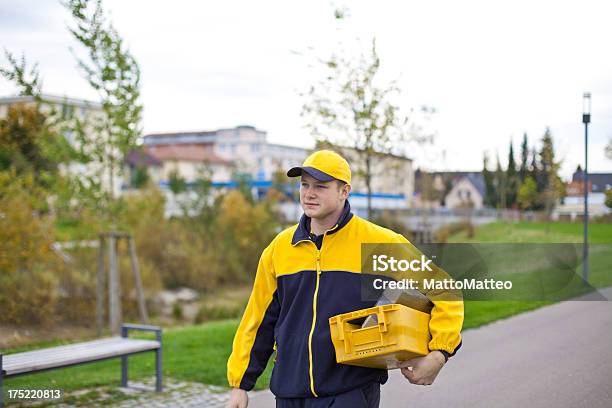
[[124, 362], [158, 363], [124, 371], [1, 388], [158, 354]]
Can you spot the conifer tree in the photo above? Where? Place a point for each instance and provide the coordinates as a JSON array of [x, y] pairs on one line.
[[512, 179], [524, 166], [489, 198], [500, 186]]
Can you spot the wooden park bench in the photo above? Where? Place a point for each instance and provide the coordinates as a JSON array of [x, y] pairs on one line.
[[13, 365]]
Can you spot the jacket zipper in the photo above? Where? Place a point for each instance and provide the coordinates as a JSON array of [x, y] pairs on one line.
[[314, 321]]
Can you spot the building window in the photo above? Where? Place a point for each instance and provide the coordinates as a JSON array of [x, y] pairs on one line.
[[67, 111]]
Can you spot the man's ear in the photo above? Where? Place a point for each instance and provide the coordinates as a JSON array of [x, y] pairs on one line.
[[346, 189]]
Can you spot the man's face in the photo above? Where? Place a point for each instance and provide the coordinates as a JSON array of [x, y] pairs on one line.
[[319, 199]]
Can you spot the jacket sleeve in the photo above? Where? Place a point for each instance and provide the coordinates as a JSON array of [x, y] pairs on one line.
[[254, 339], [447, 313]]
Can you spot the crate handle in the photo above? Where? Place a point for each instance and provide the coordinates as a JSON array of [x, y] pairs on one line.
[[380, 316]]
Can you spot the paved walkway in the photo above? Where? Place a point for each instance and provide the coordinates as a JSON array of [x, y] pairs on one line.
[[556, 356]]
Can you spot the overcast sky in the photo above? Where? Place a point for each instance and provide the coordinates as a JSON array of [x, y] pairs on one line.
[[492, 69]]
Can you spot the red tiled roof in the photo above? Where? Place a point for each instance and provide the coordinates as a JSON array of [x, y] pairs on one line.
[[186, 152], [137, 157]]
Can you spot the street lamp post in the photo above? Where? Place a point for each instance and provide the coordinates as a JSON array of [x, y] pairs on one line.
[[586, 119]]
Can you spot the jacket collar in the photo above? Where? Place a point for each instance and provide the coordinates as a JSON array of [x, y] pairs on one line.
[[302, 232]]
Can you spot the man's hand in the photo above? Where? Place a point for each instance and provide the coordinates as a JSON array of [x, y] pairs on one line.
[[423, 370], [238, 399]]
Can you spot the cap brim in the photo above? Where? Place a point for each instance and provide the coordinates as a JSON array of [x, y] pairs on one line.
[[318, 174]]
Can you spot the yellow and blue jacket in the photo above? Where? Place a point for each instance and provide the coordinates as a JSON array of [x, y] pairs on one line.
[[301, 282]]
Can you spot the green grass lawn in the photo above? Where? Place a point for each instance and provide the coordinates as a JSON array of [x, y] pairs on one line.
[[199, 353], [478, 313], [536, 232], [600, 238]]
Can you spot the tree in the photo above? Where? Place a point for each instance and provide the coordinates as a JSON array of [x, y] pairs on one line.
[[524, 166], [527, 194], [489, 198], [176, 183], [500, 185], [284, 185], [27, 80], [243, 182], [29, 144], [140, 177], [536, 174], [242, 230], [425, 184], [204, 203], [609, 198], [553, 187], [350, 109], [113, 73], [512, 179]]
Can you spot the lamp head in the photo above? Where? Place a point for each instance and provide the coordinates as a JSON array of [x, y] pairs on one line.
[[586, 107]]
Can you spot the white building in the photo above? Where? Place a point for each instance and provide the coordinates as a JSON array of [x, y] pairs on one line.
[[245, 150], [467, 192], [449, 189], [572, 206]]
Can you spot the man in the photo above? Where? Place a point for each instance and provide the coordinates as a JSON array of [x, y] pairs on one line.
[[310, 272]]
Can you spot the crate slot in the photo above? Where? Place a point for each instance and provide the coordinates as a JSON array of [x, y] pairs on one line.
[[401, 333]]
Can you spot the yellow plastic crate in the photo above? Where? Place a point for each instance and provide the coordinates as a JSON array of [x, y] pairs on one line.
[[402, 333]]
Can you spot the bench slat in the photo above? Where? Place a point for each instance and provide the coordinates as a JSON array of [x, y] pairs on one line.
[[47, 356], [74, 353], [68, 348], [78, 357], [82, 356]]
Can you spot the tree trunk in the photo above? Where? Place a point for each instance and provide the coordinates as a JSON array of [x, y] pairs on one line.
[[368, 180]]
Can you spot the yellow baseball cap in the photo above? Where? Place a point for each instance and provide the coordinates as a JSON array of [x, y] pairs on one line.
[[324, 165]]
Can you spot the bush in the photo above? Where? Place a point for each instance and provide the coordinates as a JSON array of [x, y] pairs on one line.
[[170, 254], [603, 219], [242, 231], [177, 311], [443, 233], [391, 221], [201, 252], [219, 312], [28, 268]]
